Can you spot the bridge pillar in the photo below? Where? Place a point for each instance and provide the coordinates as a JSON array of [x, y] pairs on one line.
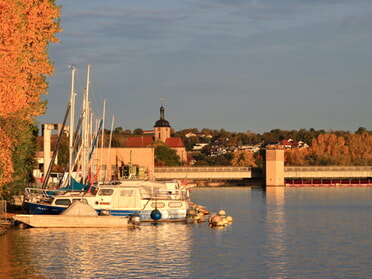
[[46, 130], [274, 168]]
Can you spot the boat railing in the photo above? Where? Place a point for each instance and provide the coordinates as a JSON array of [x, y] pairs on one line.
[[172, 194], [43, 195]]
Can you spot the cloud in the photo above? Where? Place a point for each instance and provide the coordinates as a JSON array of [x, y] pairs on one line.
[[207, 58]]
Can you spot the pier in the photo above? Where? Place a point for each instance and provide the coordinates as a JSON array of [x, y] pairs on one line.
[[328, 176]]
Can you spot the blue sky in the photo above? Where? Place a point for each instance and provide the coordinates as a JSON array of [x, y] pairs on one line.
[[234, 64]]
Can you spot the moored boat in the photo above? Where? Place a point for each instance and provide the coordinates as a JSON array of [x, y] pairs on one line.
[[78, 215], [152, 200]]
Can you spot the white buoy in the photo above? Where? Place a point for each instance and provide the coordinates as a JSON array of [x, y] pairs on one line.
[[229, 219], [220, 219], [214, 220], [222, 213]]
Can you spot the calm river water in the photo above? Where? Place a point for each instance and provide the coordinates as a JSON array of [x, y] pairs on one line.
[[284, 233]]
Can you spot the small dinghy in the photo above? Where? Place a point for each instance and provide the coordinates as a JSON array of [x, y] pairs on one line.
[[78, 215]]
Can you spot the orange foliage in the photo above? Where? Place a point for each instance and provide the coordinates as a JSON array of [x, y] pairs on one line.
[[27, 28], [331, 148], [243, 158], [296, 156], [360, 146]]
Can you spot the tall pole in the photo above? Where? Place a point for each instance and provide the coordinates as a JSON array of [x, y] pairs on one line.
[[85, 127], [72, 119], [103, 132], [109, 149]]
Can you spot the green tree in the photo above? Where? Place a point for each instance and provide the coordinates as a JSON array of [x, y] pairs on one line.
[[118, 130], [23, 154], [138, 131], [361, 130], [63, 153], [165, 156]]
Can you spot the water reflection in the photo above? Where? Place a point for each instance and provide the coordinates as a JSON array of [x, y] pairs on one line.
[[15, 261], [280, 233], [149, 252], [275, 248]]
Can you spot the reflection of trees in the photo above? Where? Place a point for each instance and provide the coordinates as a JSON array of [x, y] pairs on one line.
[[16, 259]]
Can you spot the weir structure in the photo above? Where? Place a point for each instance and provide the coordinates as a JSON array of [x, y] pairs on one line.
[[273, 173], [274, 168]]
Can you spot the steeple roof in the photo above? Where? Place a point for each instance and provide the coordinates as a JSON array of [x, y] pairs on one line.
[[162, 122]]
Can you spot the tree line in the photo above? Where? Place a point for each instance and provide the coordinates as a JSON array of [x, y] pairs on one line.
[[319, 147], [27, 28]]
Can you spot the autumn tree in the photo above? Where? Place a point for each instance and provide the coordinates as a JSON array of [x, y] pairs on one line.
[[296, 156], [360, 148], [243, 158], [28, 26]]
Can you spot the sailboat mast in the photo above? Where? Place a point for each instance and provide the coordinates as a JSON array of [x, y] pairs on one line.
[[86, 128], [109, 148], [72, 119], [103, 133]]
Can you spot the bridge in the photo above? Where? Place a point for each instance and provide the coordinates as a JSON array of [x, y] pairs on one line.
[[328, 176], [328, 172], [203, 173], [241, 173]]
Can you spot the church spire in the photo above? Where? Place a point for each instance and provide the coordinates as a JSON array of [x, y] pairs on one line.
[[162, 127], [162, 122], [162, 113]]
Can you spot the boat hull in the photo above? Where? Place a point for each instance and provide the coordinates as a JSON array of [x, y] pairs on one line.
[[44, 209], [65, 221], [166, 214]]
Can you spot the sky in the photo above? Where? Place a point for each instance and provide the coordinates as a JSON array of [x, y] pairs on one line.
[[238, 65]]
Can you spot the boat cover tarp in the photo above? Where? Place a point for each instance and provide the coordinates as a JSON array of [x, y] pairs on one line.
[[74, 186], [77, 208]]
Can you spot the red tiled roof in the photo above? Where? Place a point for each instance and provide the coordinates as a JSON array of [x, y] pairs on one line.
[[285, 142], [146, 141], [174, 142], [139, 141]]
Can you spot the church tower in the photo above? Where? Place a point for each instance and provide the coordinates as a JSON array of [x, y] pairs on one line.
[[162, 127]]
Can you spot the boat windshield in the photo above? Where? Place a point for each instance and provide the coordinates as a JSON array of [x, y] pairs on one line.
[[105, 192]]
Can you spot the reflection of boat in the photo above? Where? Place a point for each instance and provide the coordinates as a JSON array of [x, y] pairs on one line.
[[78, 215], [152, 200]]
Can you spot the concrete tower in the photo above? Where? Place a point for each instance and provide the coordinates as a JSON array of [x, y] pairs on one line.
[[274, 168], [162, 127]]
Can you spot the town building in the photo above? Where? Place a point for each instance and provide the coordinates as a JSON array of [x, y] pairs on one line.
[[134, 160], [137, 158]]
